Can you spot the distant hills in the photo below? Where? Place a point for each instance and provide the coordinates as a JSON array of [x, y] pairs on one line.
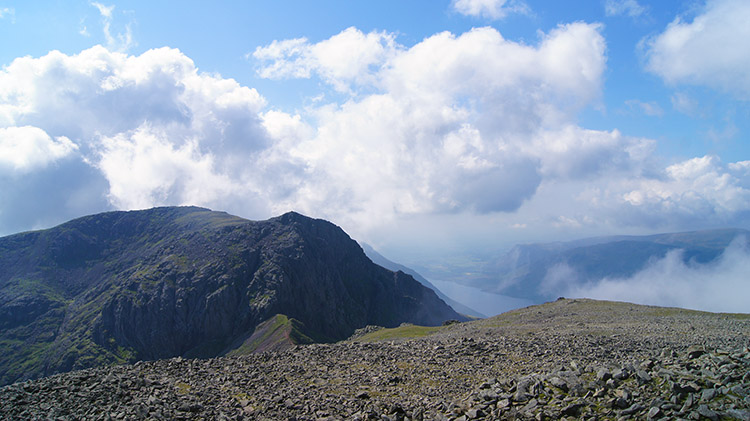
[[541, 271], [186, 281], [379, 259]]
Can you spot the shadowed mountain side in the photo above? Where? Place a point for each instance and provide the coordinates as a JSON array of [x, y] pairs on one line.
[[186, 281], [381, 260]]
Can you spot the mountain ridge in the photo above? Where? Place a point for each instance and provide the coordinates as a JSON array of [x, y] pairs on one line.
[[157, 283]]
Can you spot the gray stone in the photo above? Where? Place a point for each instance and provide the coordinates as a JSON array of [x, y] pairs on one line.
[[695, 351], [705, 411], [689, 387], [740, 414], [619, 403], [620, 374], [502, 404], [632, 409], [473, 413], [526, 389], [643, 376], [530, 406], [488, 395], [738, 390], [362, 395], [708, 394], [573, 410]]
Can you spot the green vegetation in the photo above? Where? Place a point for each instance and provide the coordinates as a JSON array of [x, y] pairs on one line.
[[275, 333], [182, 388], [401, 332], [674, 311], [297, 335], [38, 287]]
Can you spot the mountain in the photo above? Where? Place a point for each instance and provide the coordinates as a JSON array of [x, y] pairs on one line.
[[381, 260], [535, 270], [186, 281]]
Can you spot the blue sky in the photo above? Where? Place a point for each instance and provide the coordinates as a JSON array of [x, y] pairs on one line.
[[426, 128]]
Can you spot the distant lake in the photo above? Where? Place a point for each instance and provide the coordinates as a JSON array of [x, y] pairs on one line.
[[486, 303]]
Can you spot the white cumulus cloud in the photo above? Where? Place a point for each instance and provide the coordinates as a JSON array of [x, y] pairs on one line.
[[709, 51], [573, 152], [442, 126], [350, 57], [144, 168], [456, 125], [137, 131], [696, 185], [23, 149], [684, 194]]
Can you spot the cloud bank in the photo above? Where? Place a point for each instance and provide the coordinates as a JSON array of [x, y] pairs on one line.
[[719, 286], [469, 124], [150, 129]]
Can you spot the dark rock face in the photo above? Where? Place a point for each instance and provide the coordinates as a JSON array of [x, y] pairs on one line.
[[165, 282]]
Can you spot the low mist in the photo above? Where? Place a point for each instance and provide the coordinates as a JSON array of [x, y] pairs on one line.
[[722, 285]]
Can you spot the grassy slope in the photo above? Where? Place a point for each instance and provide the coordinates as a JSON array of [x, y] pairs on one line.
[[277, 333], [401, 332], [587, 316]]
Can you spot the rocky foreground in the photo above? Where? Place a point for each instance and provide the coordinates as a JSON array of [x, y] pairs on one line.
[[580, 359]]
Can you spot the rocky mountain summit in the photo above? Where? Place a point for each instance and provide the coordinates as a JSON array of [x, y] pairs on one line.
[[567, 359], [121, 287]]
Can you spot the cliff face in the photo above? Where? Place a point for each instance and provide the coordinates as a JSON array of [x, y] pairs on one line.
[[164, 282]]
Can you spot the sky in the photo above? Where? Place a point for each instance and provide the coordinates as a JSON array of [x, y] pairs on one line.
[[424, 128]]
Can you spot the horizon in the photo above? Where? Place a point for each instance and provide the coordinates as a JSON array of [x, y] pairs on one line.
[[571, 239]]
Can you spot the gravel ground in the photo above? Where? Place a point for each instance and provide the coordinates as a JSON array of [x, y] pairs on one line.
[[581, 359]]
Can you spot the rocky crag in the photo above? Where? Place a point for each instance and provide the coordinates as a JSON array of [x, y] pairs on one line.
[[568, 359], [121, 287]]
